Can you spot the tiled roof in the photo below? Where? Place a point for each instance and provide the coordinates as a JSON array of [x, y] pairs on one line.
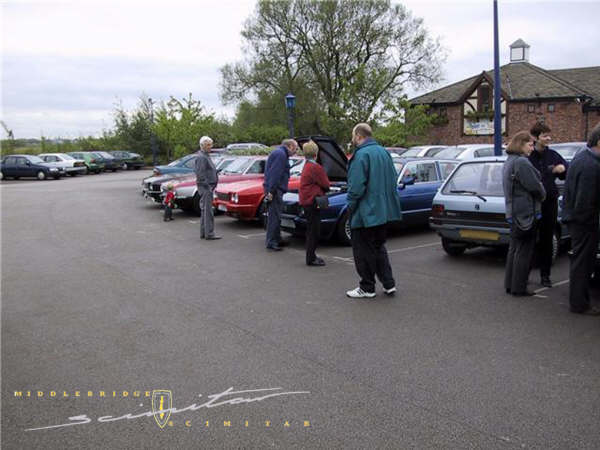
[[522, 81]]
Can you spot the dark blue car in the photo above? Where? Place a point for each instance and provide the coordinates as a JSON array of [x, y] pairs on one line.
[[23, 166], [418, 183]]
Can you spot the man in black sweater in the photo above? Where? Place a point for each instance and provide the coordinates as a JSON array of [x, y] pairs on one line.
[[581, 213], [551, 166]]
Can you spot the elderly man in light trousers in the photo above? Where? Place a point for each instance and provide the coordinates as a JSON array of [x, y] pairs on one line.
[[206, 181]]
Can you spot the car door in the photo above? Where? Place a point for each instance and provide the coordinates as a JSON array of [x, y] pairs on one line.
[[256, 169], [416, 199], [23, 168], [9, 166]]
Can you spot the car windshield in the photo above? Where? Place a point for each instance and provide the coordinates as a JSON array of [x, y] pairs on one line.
[[180, 161], [65, 156], [297, 167], [434, 151], [224, 163], [450, 153], [105, 155], [35, 159], [238, 166], [484, 178], [413, 151]]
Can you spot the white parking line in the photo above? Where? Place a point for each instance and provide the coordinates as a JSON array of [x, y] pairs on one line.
[[405, 249], [560, 283], [248, 236]]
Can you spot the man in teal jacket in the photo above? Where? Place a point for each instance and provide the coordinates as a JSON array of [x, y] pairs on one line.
[[373, 202]]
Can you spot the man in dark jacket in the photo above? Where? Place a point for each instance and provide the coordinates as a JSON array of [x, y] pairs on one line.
[[373, 202], [581, 213], [277, 175], [551, 166], [206, 182]]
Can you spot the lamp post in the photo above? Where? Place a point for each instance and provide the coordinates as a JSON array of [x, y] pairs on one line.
[[497, 112], [290, 104], [152, 137]]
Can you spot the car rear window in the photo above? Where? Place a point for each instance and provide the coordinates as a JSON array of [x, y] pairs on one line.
[[450, 153], [480, 178], [238, 166]]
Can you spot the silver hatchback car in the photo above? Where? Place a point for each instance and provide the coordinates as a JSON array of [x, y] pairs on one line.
[[468, 210]]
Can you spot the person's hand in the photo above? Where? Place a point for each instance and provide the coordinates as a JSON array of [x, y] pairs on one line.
[[559, 168], [269, 197]]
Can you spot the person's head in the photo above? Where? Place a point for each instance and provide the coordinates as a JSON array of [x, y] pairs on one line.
[[291, 145], [520, 144], [170, 186], [541, 133], [594, 139], [206, 144], [310, 150], [361, 133]]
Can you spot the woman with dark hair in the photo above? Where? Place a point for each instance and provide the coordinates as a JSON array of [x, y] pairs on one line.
[[523, 194]]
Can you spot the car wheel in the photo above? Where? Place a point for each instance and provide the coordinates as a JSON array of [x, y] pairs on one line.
[[73, 174], [196, 204], [137, 167], [97, 172], [16, 178], [453, 248], [1, 176], [114, 170], [56, 177], [343, 231], [41, 175], [261, 214], [124, 166]]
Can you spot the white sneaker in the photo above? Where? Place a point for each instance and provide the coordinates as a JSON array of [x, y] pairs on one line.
[[359, 293], [391, 291]]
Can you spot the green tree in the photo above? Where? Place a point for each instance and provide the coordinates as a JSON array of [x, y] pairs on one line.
[[404, 124], [353, 57]]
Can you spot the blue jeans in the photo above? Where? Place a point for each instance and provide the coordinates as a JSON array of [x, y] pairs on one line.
[[274, 220]]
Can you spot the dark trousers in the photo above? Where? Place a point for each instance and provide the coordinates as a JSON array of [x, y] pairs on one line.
[[371, 257], [168, 212], [546, 227], [584, 242], [274, 220], [207, 219], [313, 225], [518, 261]]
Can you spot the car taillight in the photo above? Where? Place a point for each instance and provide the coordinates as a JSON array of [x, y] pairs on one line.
[[437, 210]]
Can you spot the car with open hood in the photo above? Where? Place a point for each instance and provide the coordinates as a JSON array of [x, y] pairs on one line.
[[469, 210], [418, 181]]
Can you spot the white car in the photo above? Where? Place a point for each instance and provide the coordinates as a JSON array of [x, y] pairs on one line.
[[245, 146], [468, 151], [423, 151], [66, 164]]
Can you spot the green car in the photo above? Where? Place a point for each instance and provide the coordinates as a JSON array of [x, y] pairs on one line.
[[92, 162], [130, 160]]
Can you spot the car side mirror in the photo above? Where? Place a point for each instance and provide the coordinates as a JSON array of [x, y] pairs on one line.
[[28, 163]]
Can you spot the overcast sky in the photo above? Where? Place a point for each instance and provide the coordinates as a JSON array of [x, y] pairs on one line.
[[66, 64]]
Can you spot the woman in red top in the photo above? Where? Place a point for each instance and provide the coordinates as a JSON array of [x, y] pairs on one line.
[[313, 183]]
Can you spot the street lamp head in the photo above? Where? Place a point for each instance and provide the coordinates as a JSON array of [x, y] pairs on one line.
[[290, 101]]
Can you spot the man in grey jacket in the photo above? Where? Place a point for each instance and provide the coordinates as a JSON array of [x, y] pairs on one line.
[[206, 181]]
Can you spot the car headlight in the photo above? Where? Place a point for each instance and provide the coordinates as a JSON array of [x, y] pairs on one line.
[[53, 169], [234, 197]]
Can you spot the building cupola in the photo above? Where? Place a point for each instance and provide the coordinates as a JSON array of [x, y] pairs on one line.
[[519, 51]]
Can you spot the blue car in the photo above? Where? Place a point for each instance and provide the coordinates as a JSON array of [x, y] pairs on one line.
[[418, 183], [181, 165], [22, 166]]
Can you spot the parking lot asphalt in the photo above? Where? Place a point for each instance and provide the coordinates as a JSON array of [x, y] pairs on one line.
[[104, 303]]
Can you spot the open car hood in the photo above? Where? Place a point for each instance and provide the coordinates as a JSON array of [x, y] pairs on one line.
[[331, 156]]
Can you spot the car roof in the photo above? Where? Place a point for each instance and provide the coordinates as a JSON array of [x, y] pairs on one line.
[[429, 158], [484, 159]]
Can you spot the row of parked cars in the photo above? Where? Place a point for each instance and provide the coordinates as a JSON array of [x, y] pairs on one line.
[[462, 199], [56, 165]]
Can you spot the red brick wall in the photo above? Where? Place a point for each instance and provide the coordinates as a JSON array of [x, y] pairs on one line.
[[568, 123]]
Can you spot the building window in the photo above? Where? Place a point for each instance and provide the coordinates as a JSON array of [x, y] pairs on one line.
[[484, 98], [531, 108], [550, 107]]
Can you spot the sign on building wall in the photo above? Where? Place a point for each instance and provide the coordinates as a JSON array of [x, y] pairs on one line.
[[479, 127]]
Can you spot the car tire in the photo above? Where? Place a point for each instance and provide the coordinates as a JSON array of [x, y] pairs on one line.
[[56, 177], [41, 175], [196, 205], [97, 172], [16, 178], [1, 176], [73, 174], [137, 167], [261, 214], [453, 248], [125, 166], [343, 230], [114, 170]]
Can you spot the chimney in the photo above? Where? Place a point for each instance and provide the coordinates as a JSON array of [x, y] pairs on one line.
[[519, 51]]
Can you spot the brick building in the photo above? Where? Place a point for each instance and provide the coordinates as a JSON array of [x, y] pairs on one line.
[[567, 100]]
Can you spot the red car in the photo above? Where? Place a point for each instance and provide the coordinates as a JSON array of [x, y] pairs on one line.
[[242, 168], [244, 199]]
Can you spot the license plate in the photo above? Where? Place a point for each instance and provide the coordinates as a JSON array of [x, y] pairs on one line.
[[288, 223], [478, 234], [222, 207]]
